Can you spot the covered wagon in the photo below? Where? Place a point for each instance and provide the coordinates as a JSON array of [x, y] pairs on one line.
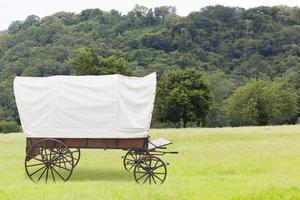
[[62, 114]]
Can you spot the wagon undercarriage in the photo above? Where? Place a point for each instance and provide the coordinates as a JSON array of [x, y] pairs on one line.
[[49, 159]]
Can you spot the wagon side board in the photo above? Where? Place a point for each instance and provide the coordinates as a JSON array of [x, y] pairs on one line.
[[97, 143]]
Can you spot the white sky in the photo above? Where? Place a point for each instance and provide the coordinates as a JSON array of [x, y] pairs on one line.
[[12, 10]]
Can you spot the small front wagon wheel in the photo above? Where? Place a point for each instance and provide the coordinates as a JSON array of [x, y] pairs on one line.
[[132, 157], [150, 169], [49, 160]]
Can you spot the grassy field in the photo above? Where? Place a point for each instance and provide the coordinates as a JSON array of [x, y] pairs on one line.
[[220, 163]]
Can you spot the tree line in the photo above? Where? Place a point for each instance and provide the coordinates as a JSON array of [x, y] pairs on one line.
[[187, 96], [218, 66]]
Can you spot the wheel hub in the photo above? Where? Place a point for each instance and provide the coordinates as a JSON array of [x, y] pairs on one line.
[[149, 170], [47, 163]]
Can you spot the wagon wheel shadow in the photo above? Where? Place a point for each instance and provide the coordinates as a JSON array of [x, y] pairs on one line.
[[96, 174]]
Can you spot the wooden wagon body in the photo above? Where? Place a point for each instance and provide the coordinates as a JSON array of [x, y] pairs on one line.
[[97, 143]]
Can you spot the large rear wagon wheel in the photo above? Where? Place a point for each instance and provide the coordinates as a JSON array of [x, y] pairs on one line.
[[49, 160], [132, 157], [150, 169]]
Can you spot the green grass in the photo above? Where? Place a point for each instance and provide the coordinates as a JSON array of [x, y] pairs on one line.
[[219, 163]]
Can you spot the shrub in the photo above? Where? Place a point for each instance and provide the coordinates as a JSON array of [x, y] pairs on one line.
[[9, 127]]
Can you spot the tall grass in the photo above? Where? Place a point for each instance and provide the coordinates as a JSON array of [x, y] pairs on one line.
[[217, 163]]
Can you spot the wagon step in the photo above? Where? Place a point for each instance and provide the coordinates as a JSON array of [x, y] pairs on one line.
[[158, 143]]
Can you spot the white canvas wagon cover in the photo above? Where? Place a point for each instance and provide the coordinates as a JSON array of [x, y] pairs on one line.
[[108, 106]]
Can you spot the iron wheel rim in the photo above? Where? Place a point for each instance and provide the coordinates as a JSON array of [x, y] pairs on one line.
[[76, 155]]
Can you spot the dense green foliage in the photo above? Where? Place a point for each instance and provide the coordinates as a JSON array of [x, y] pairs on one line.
[[9, 127], [182, 96], [261, 102], [88, 62], [228, 45]]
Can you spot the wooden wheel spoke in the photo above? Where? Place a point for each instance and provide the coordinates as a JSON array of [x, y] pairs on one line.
[[51, 170], [75, 158], [37, 171], [131, 167], [129, 159], [150, 161], [47, 174], [59, 174], [37, 159], [130, 162], [65, 168], [69, 156], [143, 167], [156, 163], [141, 177], [158, 173], [42, 174], [50, 154], [53, 154], [158, 177], [134, 158], [47, 158], [70, 162], [55, 157], [139, 172], [138, 155], [153, 179], [146, 178], [158, 167], [62, 158], [33, 165], [59, 162], [44, 153]]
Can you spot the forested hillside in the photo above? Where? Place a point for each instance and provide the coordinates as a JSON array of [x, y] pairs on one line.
[[231, 47]]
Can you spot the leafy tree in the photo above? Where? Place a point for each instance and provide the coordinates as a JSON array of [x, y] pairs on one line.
[[163, 11], [90, 14], [30, 20], [8, 111], [15, 26], [220, 87], [85, 62], [182, 95], [156, 41], [67, 18], [261, 102], [88, 62]]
